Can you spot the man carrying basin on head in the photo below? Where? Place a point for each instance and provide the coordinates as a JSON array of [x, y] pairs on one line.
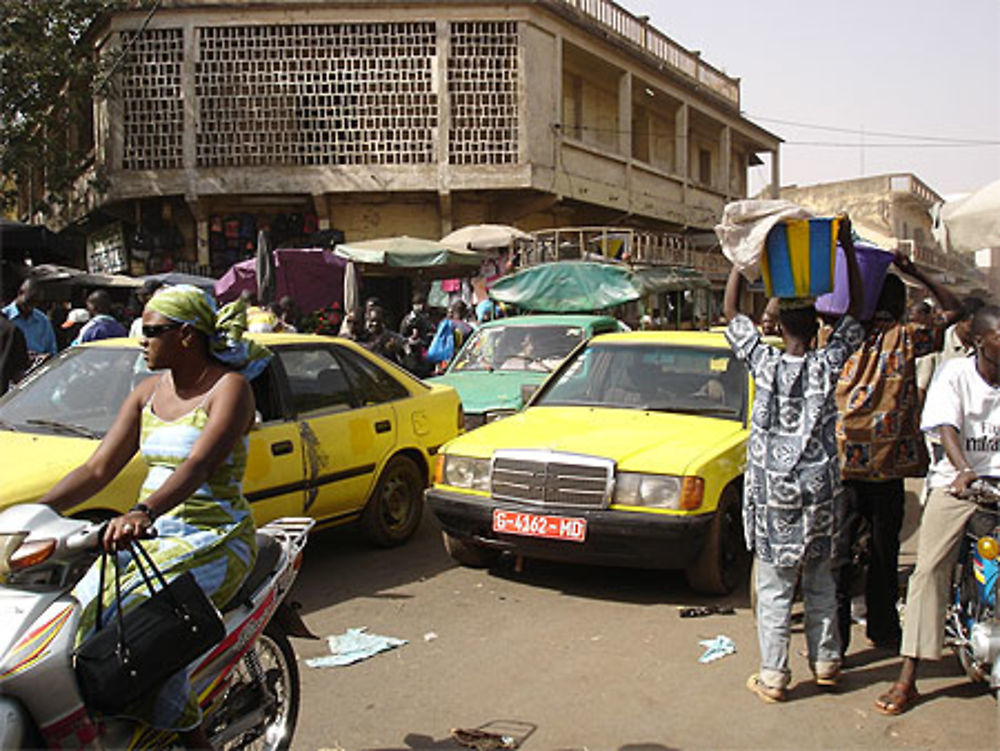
[[792, 481]]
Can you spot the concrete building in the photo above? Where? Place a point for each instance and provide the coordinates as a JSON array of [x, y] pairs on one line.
[[893, 211], [385, 118]]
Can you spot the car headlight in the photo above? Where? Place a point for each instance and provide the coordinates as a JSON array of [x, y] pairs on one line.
[[466, 472], [658, 491]]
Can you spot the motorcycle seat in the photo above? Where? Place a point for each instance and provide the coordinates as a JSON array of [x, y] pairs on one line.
[[268, 553]]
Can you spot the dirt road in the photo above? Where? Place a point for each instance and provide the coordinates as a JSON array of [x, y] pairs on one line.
[[579, 658]]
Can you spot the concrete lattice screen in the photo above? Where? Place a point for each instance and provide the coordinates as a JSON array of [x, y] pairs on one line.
[[322, 94], [152, 107]]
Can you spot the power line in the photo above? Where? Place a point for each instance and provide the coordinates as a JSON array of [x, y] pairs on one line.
[[867, 145], [835, 129]]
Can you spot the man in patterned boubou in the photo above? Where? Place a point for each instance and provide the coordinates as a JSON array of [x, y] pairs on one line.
[[792, 482]]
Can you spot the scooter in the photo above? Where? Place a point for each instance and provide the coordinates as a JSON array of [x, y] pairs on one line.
[[247, 685], [972, 623]]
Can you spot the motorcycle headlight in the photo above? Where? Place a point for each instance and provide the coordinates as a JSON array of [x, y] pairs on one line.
[[466, 472], [658, 491]]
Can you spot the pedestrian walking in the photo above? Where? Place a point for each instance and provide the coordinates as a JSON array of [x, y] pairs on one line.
[[39, 335], [792, 480], [879, 444], [13, 354], [102, 325]]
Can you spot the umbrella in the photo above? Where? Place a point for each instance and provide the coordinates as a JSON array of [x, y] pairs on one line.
[[313, 277], [206, 283], [406, 252], [350, 287], [484, 237], [53, 273], [970, 223], [264, 268], [567, 286]]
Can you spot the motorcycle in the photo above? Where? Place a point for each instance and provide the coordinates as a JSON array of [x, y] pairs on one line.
[[247, 685], [972, 622]]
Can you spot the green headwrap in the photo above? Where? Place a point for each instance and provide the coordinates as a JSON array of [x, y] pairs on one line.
[[185, 303]]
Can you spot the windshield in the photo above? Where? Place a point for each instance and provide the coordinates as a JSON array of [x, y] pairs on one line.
[[78, 393], [538, 348], [659, 377]]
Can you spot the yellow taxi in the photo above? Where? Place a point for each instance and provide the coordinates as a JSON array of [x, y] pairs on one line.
[[341, 434], [632, 453]]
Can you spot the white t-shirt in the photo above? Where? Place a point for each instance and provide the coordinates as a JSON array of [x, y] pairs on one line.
[[959, 397]]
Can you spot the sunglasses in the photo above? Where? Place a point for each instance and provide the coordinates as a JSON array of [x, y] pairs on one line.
[[151, 332]]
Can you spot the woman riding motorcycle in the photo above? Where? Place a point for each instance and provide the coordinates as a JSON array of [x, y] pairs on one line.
[[191, 424]]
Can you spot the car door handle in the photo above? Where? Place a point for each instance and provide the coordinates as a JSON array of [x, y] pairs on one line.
[[281, 448], [383, 426]]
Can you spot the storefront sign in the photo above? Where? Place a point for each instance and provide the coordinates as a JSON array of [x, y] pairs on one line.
[[106, 253]]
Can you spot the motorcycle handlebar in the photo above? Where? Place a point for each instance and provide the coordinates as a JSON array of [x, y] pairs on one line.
[[89, 539]]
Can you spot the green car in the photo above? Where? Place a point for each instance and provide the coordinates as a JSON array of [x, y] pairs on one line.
[[507, 358]]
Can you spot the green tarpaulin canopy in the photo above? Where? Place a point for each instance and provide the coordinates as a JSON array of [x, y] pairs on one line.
[[579, 286], [406, 252], [652, 279]]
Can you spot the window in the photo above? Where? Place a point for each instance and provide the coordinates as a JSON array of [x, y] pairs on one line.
[[316, 380], [372, 384]]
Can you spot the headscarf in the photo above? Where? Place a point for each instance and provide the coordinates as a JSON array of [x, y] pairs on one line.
[[224, 328]]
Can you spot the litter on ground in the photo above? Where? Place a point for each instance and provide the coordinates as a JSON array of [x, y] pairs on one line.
[[353, 646], [717, 648]]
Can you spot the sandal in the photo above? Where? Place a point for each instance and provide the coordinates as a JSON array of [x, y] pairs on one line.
[[768, 694], [899, 698]]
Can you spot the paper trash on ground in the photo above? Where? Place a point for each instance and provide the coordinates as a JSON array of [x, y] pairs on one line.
[[717, 648], [353, 646]]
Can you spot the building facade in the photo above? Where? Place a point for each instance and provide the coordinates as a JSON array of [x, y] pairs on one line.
[[387, 118]]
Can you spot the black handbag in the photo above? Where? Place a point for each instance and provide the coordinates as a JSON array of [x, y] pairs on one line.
[[125, 661]]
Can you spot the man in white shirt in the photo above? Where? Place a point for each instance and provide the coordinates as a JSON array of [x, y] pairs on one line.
[[963, 410]]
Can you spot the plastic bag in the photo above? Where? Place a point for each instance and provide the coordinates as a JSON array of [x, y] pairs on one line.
[[442, 346]]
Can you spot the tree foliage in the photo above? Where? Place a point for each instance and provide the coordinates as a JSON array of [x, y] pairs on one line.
[[46, 82]]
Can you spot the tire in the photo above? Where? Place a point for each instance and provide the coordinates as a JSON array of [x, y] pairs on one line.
[[281, 671], [468, 553], [393, 512], [717, 568]]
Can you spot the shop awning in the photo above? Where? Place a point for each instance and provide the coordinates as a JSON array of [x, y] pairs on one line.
[[407, 252]]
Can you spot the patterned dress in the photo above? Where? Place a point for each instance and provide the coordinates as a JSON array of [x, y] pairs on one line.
[[792, 475], [211, 534]]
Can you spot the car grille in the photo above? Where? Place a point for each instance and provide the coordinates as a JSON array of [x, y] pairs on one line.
[[552, 478]]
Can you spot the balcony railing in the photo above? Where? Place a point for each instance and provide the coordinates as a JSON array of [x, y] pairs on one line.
[[640, 33], [619, 244]]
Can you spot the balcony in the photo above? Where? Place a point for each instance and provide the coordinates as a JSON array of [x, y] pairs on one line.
[[637, 30]]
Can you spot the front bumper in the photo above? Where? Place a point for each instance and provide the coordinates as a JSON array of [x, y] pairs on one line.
[[614, 538]]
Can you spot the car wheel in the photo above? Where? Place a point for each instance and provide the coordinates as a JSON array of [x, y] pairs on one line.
[[468, 553], [392, 514], [716, 570]]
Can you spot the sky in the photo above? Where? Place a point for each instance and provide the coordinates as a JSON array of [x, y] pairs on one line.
[[873, 69]]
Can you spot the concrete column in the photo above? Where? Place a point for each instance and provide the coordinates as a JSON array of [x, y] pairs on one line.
[[321, 208], [681, 141], [725, 159], [189, 143], [444, 124], [625, 114], [775, 172], [200, 213]]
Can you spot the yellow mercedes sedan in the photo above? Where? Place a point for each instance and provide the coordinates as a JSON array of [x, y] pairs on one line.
[[632, 453], [341, 434]]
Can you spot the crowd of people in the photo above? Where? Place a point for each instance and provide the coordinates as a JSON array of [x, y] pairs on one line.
[[843, 413], [422, 343]]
